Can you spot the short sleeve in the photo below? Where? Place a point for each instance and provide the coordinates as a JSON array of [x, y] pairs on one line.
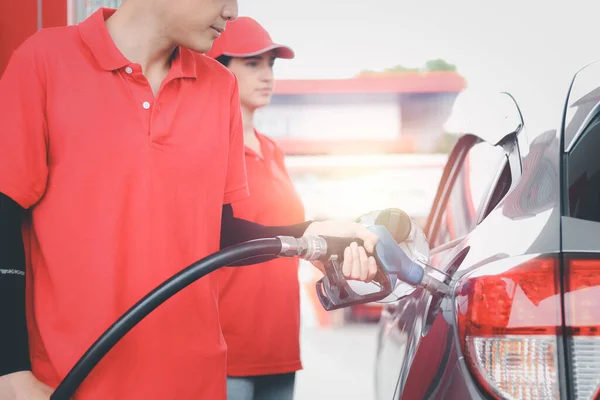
[[236, 186], [23, 130]]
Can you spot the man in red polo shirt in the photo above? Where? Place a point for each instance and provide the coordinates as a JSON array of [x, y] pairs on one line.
[[121, 151]]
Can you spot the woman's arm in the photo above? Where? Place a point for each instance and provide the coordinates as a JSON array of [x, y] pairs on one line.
[[235, 230]]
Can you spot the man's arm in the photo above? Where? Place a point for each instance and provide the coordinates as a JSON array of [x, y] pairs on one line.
[[23, 178], [14, 346]]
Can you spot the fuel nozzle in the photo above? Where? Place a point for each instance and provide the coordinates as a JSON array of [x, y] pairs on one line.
[[412, 240], [399, 266], [393, 266], [435, 281]]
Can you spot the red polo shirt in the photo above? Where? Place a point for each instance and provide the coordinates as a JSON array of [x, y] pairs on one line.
[[125, 190], [260, 305]]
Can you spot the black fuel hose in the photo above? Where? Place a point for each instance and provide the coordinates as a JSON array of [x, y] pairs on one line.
[[152, 300]]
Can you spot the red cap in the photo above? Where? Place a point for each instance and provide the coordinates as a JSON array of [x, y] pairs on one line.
[[245, 37]]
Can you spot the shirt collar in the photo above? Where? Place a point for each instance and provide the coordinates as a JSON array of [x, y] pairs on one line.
[[183, 64], [269, 150], [261, 140], [94, 33]]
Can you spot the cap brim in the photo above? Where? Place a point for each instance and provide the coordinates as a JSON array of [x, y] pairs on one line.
[[282, 52]]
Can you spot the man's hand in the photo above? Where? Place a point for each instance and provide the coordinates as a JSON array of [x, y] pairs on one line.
[[357, 264], [23, 386]]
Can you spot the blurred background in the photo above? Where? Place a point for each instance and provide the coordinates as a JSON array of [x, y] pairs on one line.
[[367, 103]]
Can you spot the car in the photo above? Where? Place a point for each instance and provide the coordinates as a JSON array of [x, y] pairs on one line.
[[515, 226]]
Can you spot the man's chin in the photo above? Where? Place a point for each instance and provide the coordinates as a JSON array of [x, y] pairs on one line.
[[200, 46]]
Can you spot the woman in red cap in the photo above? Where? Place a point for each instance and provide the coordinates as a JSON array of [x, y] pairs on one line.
[[260, 306]]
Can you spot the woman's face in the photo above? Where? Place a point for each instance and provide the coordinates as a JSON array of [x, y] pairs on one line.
[[255, 79]]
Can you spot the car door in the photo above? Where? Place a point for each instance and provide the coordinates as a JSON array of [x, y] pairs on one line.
[[468, 186]]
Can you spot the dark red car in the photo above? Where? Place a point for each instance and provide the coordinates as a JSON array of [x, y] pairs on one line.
[[516, 225]]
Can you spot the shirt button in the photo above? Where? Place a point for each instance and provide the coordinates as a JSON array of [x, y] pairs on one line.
[[129, 70], [146, 105]]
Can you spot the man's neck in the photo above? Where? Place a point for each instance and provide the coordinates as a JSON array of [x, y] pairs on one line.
[[140, 37]]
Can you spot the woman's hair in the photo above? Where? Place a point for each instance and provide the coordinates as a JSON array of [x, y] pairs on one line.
[[225, 60]]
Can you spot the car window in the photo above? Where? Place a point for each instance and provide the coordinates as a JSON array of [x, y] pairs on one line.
[[582, 103], [583, 174], [469, 191]]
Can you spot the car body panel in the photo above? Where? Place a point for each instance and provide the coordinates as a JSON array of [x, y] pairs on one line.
[[580, 235]]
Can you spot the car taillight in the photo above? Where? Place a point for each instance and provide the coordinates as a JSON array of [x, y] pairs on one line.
[[582, 319], [509, 320]]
